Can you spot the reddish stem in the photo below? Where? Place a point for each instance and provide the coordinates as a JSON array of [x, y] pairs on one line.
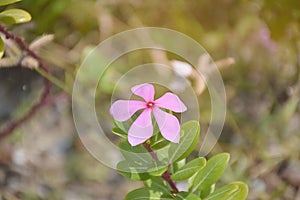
[[152, 153], [167, 177], [166, 174], [15, 124]]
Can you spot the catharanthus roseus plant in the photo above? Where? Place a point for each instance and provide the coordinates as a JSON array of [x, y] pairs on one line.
[[156, 147]]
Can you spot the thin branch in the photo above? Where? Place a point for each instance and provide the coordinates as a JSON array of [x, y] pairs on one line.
[[15, 124], [167, 177], [152, 153], [166, 174]]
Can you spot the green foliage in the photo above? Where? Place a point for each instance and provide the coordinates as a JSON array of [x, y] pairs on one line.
[[189, 137], [7, 2], [211, 173], [126, 170], [122, 127], [1, 47], [235, 190], [138, 163], [137, 156], [187, 196], [146, 194], [201, 175], [13, 16], [189, 169], [158, 141], [119, 132], [158, 183]]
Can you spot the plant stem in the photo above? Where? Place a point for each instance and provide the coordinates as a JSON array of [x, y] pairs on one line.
[[167, 177], [15, 124], [152, 153], [166, 174]]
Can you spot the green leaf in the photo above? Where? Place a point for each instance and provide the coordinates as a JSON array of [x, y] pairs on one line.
[[162, 154], [158, 170], [211, 173], [137, 156], [223, 193], [207, 191], [7, 2], [159, 144], [122, 125], [241, 193], [233, 191], [177, 165], [159, 183], [188, 140], [189, 169], [7, 20], [117, 131], [124, 168], [1, 47], [186, 196], [147, 193], [138, 160], [15, 16]]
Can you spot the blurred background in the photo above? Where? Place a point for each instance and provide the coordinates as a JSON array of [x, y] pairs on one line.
[[44, 158]]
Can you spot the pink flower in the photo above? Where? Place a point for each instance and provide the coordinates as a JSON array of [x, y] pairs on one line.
[[142, 128]]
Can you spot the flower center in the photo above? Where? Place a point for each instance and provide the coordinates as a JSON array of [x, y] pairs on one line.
[[150, 104]]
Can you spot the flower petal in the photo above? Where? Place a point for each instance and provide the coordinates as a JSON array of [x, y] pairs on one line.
[[146, 91], [170, 101], [141, 129], [168, 124], [122, 110]]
